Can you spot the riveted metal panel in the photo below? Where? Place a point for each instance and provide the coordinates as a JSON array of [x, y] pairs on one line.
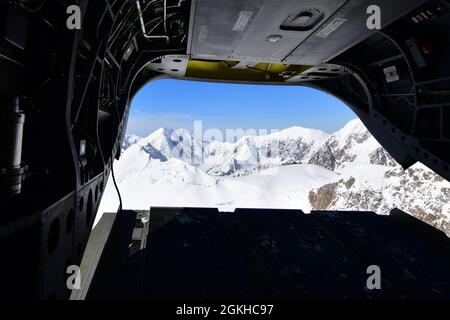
[[347, 28], [242, 30]]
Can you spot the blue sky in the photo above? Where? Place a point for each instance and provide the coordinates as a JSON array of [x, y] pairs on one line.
[[177, 104]]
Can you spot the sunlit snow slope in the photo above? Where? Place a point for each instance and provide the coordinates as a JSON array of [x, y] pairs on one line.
[[298, 168]]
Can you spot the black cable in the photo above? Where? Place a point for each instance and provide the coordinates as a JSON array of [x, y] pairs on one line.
[[118, 117], [115, 183], [118, 113], [112, 152]]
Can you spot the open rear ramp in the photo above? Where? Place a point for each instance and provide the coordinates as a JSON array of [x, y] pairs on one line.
[[201, 253]]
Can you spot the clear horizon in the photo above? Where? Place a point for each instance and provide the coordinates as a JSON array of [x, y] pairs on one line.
[[261, 132], [178, 104]]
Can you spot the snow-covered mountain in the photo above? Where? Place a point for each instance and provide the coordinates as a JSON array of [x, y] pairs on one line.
[[370, 179], [291, 146], [130, 140], [417, 191], [352, 145], [295, 168]]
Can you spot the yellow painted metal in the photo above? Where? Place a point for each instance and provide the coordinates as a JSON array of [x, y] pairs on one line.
[[227, 70]]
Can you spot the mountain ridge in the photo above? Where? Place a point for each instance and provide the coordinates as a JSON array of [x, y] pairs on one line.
[[298, 168]]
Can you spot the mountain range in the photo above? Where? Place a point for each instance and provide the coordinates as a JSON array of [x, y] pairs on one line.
[[295, 168]]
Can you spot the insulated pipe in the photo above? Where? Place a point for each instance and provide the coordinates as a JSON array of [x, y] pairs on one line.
[[165, 16], [144, 31], [11, 138]]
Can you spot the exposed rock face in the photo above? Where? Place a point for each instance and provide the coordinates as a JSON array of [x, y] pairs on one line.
[[417, 191], [324, 158], [382, 158], [291, 146], [324, 197], [226, 169], [377, 182], [153, 152], [351, 144], [129, 140], [350, 182]]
